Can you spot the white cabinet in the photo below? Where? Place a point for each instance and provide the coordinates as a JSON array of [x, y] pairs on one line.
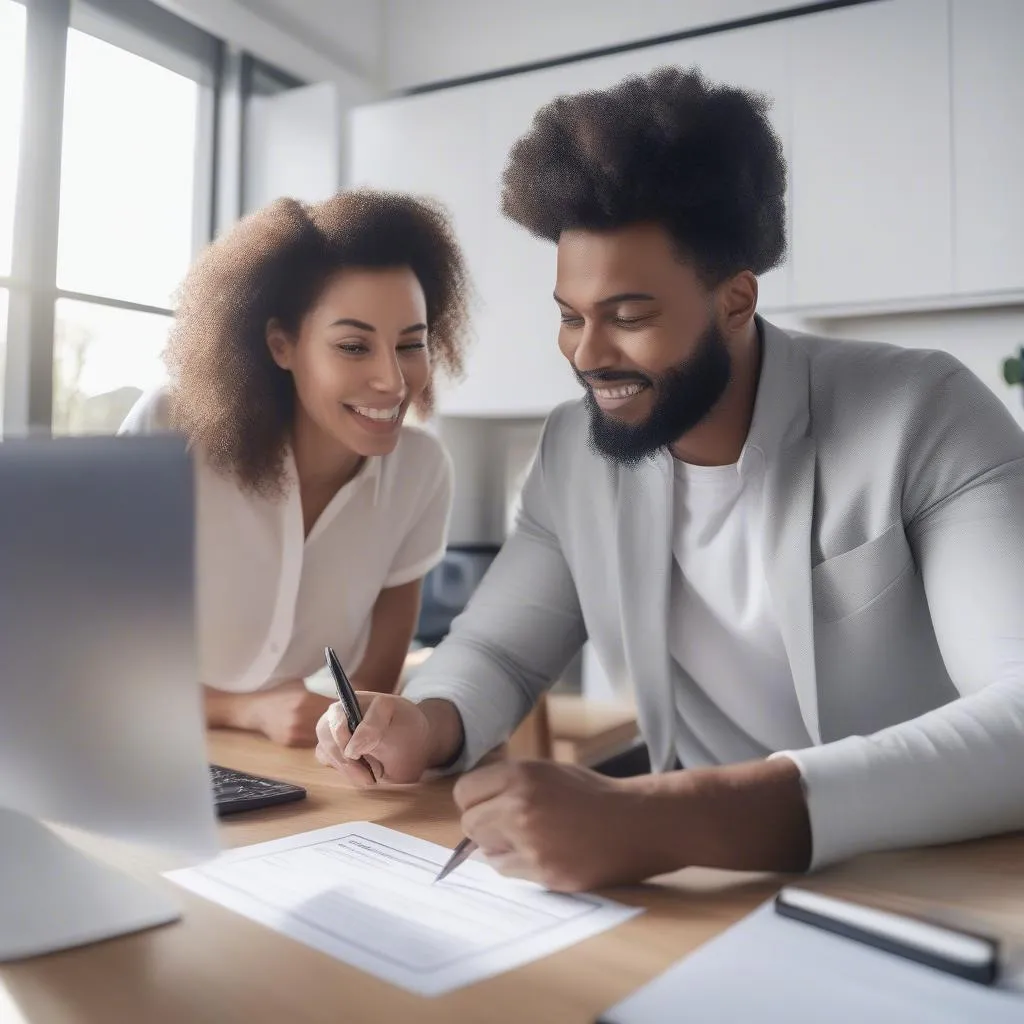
[[454, 144], [871, 165], [517, 369], [427, 145], [900, 123], [431, 145], [520, 370], [988, 145], [525, 372], [293, 145]]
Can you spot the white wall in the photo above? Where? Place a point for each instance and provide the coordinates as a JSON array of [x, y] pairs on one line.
[[437, 40]]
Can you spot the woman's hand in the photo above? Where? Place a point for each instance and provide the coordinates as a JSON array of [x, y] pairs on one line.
[[287, 714]]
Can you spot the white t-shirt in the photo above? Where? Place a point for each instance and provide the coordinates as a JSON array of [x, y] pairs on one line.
[[268, 599], [725, 634]]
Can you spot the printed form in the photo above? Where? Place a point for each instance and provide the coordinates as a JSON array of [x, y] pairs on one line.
[[362, 893]]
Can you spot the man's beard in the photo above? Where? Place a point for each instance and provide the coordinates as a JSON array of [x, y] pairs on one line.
[[683, 396]]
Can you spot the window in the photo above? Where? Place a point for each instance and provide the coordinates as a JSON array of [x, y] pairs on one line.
[[147, 147], [3, 349], [104, 358], [126, 223], [127, 173], [12, 73]]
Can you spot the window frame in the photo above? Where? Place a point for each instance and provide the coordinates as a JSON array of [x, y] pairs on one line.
[[225, 77]]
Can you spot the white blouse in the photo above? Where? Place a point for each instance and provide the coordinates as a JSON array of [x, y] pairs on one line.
[[268, 599]]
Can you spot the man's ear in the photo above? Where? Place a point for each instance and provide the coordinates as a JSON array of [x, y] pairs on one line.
[[738, 300], [280, 344]]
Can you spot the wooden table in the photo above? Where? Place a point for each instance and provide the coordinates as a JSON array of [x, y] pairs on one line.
[[215, 967]]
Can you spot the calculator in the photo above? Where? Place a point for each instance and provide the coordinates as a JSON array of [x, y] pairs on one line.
[[235, 791]]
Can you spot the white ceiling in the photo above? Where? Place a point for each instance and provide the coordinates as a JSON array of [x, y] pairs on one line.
[[349, 32], [435, 40], [386, 45]]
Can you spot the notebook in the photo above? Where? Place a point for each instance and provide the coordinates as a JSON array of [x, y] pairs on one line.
[[770, 969]]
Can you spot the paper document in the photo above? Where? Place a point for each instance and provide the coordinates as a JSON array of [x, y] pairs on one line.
[[363, 893], [773, 970]]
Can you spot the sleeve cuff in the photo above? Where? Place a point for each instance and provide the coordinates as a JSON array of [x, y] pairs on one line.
[[830, 776], [416, 571], [482, 728]]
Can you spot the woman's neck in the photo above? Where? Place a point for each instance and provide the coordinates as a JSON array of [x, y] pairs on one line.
[[322, 465]]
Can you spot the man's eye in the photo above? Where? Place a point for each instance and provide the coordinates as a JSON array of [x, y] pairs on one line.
[[572, 321]]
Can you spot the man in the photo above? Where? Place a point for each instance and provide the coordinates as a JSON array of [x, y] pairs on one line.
[[806, 555]]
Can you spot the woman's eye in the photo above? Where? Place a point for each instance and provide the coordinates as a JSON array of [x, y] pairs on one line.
[[354, 347], [572, 321], [416, 346]]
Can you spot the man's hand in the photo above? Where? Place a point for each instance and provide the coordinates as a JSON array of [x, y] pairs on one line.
[[287, 714], [400, 739], [568, 828], [572, 829]]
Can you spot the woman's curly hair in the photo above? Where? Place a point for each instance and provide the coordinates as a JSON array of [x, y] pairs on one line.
[[227, 395], [701, 160]]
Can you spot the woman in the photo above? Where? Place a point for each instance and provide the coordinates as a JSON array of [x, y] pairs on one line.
[[302, 338]]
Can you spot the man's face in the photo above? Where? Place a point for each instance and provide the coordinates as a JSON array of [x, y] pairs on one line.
[[639, 330]]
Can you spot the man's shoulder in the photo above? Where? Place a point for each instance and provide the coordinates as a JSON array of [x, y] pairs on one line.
[[854, 379], [914, 415], [564, 441], [566, 425], [878, 362]]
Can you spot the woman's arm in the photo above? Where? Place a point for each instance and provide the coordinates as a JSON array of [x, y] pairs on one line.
[[392, 625], [286, 713]]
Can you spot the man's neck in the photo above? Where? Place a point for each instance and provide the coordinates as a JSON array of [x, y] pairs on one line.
[[719, 438]]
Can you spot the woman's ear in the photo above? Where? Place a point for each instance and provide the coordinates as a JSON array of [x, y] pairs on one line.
[[279, 344]]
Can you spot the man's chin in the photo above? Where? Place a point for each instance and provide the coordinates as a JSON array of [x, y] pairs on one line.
[[616, 442]]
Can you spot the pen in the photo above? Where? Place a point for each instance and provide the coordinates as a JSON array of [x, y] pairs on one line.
[[347, 697], [459, 854], [974, 957]]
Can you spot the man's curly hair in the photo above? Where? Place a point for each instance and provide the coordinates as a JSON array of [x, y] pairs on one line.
[[227, 395], [667, 147]]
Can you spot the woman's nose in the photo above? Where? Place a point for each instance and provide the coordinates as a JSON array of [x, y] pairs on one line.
[[388, 377]]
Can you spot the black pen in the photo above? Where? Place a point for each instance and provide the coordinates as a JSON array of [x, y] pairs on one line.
[[347, 698], [970, 956]]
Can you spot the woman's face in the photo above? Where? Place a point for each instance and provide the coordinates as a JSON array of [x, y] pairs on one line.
[[360, 356]]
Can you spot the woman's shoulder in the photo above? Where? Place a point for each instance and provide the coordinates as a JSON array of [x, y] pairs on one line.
[[419, 455], [151, 413], [418, 444]]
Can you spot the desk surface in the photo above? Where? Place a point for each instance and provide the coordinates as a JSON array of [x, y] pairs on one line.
[[215, 966]]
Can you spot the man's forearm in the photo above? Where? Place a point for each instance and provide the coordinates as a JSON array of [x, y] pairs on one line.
[[446, 732], [744, 817]]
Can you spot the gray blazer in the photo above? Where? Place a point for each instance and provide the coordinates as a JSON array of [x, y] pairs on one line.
[[894, 550]]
